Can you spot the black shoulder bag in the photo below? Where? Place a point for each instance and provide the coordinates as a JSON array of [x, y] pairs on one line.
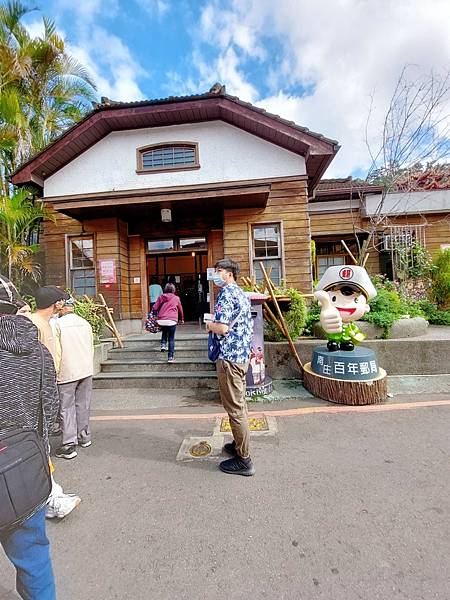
[[25, 481]]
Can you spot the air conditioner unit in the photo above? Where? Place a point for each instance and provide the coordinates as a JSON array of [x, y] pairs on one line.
[[390, 242], [386, 243]]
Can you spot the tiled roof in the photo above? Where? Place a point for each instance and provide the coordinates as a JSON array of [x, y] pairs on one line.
[[108, 104], [347, 184]]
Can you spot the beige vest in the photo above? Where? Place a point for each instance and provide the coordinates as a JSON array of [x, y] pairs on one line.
[[77, 348]]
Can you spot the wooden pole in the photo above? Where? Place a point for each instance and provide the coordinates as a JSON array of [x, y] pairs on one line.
[[112, 324], [281, 318], [349, 252]]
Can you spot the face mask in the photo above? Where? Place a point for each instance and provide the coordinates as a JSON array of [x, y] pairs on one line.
[[217, 279]]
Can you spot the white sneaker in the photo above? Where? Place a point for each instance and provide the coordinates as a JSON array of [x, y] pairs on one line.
[[85, 444], [61, 506]]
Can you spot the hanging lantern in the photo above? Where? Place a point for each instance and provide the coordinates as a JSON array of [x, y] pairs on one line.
[[166, 215]]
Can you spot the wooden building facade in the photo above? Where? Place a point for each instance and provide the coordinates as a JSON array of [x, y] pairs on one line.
[[161, 190], [342, 209]]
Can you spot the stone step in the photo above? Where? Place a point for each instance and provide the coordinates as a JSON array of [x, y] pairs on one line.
[[179, 335], [155, 343], [138, 365], [156, 380], [153, 354]]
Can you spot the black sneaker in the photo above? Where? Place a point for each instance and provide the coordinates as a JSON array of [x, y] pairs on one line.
[[230, 448], [238, 466], [69, 451]]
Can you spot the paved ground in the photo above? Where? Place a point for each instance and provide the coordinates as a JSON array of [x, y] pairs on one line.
[[344, 506]]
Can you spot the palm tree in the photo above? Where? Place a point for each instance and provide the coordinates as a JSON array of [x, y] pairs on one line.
[[19, 215], [43, 91]]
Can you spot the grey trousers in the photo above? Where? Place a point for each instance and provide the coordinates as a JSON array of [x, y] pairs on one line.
[[75, 399]]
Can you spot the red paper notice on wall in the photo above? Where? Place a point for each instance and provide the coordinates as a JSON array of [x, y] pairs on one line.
[[107, 271]]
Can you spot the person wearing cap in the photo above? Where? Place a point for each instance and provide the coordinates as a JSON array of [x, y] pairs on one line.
[[76, 340], [343, 293], [22, 360], [49, 299]]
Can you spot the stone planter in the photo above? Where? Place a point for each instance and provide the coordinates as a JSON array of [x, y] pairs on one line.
[[101, 354]]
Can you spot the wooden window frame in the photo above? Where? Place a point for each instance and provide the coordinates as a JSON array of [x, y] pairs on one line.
[[140, 170], [329, 241], [281, 256], [176, 245], [70, 268]]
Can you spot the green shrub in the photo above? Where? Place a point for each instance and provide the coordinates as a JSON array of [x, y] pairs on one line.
[[312, 317], [295, 317], [440, 286], [433, 315], [87, 309], [389, 306]]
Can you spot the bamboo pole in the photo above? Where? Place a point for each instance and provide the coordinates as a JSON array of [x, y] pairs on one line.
[[281, 318], [349, 252], [112, 324]]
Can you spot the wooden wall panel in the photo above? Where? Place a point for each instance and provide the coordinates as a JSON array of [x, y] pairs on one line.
[[134, 249], [287, 203], [53, 246], [334, 223], [437, 230]]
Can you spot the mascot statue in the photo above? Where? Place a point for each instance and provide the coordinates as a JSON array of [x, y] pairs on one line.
[[343, 293], [341, 371]]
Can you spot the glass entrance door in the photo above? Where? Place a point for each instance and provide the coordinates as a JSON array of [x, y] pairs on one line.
[[187, 271]]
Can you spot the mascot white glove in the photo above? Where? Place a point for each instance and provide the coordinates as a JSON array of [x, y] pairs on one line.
[[330, 319]]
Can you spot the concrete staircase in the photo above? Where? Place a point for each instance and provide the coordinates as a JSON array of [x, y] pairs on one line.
[[141, 364]]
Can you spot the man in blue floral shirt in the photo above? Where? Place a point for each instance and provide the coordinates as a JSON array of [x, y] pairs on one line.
[[233, 324]]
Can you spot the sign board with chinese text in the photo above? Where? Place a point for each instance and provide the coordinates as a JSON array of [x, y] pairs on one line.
[[359, 364], [107, 271]]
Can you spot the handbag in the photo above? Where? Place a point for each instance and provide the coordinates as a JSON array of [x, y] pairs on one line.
[[151, 324], [214, 341], [25, 480]]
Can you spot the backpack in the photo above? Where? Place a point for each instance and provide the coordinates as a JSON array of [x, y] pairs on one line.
[[25, 480]]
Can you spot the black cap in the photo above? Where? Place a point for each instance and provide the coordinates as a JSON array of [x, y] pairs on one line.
[[48, 295], [10, 300]]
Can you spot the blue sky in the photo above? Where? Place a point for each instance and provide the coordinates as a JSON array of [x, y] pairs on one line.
[[321, 64]]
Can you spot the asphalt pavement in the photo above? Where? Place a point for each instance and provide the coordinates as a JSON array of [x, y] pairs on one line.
[[343, 506]]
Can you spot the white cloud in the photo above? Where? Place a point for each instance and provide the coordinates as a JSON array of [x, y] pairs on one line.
[[155, 7], [115, 71], [36, 28], [344, 51], [87, 10], [107, 58]]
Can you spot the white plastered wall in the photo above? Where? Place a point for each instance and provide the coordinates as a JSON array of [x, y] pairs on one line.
[[226, 153]]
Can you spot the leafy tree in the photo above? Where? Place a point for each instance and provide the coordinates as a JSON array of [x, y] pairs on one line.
[[19, 214], [43, 91]]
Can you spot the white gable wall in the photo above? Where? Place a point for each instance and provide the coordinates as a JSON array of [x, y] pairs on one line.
[[226, 153]]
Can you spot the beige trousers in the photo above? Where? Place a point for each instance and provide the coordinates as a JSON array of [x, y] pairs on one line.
[[231, 378]]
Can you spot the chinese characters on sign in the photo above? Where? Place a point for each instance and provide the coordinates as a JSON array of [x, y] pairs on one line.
[[107, 271], [346, 368]]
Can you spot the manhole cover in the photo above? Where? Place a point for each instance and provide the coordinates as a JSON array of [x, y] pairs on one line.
[[255, 424], [200, 449]]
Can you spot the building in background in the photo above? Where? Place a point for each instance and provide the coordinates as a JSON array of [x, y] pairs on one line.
[[165, 188]]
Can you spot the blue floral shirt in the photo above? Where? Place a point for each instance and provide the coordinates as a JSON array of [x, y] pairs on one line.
[[235, 345]]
